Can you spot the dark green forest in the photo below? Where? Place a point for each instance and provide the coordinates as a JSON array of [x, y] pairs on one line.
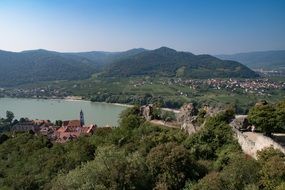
[[139, 155], [28, 67], [168, 62], [41, 65]]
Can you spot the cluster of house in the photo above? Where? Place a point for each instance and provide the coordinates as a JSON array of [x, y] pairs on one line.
[[68, 130], [255, 86], [259, 86], [43, 92]]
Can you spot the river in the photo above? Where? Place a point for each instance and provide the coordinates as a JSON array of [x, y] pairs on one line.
[[55, 109]]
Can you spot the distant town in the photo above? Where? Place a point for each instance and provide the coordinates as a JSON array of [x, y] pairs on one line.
[[261, 86], [60, 131]]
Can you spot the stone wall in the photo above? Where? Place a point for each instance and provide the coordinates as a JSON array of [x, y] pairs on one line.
[[253, 142]]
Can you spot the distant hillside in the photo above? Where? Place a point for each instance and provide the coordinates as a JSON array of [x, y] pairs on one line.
[[103, 58], [257, 60], [168, 62], [41, 65]]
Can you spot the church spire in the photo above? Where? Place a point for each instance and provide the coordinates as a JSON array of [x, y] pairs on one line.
[[81, 118]]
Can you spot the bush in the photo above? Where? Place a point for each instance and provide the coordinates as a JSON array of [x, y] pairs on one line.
[[171, 165], [265, 118]]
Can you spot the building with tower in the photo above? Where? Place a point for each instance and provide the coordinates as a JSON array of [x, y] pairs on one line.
[[72, 129], [81, 118]]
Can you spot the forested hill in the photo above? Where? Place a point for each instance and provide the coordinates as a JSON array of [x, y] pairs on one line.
[[258, 60], [102, 58], [168, 62], [41, 65]]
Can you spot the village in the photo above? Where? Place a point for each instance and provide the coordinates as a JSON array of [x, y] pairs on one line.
[[60, 131], [261, 86], [37, 92]]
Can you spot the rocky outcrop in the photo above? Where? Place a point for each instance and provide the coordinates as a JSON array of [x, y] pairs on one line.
[[241, 123], [211, 111], [187, 112], [188, 117], [190, 128], [146, 111]]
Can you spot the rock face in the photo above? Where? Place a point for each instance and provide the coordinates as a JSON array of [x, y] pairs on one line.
[[241, 122], [146, 111], [187, 112], [190, 128], [211, 111], [187, 117]]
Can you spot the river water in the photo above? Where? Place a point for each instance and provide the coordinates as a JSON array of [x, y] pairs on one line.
[[94, 112]]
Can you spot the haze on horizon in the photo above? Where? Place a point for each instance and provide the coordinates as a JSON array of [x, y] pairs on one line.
[[205, 26]]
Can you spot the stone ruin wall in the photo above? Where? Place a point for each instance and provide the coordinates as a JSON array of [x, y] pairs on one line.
[[251, 147]]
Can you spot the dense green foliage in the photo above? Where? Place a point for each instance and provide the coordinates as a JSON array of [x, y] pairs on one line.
[[30, 162], [41, 65], [168, 62], [5, 123], [268, 118], [103, 58], [137, 155]]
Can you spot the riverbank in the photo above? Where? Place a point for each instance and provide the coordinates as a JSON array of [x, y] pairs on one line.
[[81, 99], [98, 113], [124, 105]]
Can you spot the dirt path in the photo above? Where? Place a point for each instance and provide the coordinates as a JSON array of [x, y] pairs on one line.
[[165, 124]]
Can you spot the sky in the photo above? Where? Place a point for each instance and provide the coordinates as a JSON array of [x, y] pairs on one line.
[[198, 26]]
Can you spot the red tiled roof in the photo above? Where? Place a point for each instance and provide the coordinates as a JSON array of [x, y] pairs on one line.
[[72, 123], [72, 129]]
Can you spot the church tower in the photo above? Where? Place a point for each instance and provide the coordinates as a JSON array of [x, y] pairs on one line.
[[81, 118]]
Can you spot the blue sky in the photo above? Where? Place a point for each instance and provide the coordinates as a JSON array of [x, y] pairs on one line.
[[200, 26]]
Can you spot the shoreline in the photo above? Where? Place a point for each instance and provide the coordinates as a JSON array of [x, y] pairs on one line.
[[69, 99], [119, 104], [80, 99]]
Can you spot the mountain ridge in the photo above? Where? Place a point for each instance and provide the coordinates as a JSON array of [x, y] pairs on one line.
[[43, 65], [168, 62], [272, 59]]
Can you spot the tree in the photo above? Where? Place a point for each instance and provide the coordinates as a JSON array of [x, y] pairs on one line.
[[168, 116], [273, 172], [3, 138], [112, 168], [130, 122], [240, 172], [213, 136], [9, 116], [280, 109], [212, 181], [171, 165], [265, 154], [58, 122], [272, 163], [264, 117], [130, 118]]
